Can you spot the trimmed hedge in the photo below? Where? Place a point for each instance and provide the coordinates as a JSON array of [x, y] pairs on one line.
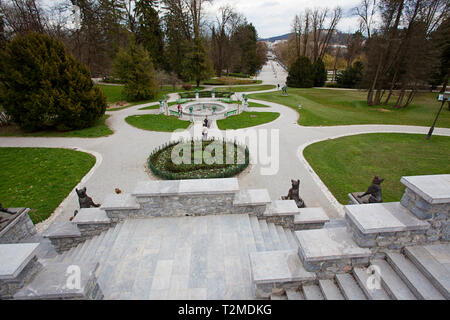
[[161, 165], [205, 94]]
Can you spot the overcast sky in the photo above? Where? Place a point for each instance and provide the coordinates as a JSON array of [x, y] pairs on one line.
[[274, 17]]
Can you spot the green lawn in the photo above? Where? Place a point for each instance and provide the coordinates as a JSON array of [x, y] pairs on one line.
[[40, 178], [157, 122], [327, 107], [247, 88], [247, 119], [348, 164], [115, 94], [98, 130]]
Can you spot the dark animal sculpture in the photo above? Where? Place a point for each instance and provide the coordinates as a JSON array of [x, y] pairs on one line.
[[374, 190], [84, 200], [5, 210], [293, 194]]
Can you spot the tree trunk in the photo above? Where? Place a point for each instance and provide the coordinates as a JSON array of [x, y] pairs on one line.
[[394, 79], [374, 83], [410, 97], [400, 98], [377, 97]]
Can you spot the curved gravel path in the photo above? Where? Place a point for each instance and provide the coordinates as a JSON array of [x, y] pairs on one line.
[[121, 157]]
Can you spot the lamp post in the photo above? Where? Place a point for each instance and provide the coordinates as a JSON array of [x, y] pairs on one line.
[[444, 98]]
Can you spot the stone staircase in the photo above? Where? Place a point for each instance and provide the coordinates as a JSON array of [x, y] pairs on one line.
[[204, 257], [414, 275]]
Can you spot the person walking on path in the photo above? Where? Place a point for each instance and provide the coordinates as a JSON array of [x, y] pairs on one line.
[[206, 122]]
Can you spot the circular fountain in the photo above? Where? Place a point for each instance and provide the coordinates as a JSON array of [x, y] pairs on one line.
[[206, 109]]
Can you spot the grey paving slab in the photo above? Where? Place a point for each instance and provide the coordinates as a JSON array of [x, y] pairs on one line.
[[329, 244], [329, 290], [311, 215], [257, 234], [278, 266], [293, 294], [435, 271], [432, 188], [14, 257], [251, 197], [64, 229], [392, 283], [91, 216], [120, 201], [349, 287], [282, 207], [413, 277], [51, 282], [312, 292], [372, 292], [384, 217], [441, 252], [268, 242]]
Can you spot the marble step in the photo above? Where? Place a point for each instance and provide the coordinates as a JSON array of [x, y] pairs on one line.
[[274, 236], [293, 242], [92, 254], [80, 252], [349, 287], [436, 272], [246, 232], [257, 234], [312, 292], [268, 243], [392, 282], [284, 243], [87, 250], [373, 293], [330, 290], [293, 294], [416, 281]]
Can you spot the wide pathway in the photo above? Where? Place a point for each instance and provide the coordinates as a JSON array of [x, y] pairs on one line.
[[122, 156]]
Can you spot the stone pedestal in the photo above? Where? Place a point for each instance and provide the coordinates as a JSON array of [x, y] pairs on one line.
[[428, 198], [196, 96], [16, 227]]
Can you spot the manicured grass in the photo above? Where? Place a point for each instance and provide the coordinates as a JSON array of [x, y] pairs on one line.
[[348, 164], [327, 107], [98, 130], [247, 88], [257, 105], [157, 122], [247, 119], [115, 94], [40, 178]]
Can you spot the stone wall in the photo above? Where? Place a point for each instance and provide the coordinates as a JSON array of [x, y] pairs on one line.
[[286, 221], [437, 215], [89, 231], [62, 244], [387, 240], [21, 228], [9, 287], [181, 205]]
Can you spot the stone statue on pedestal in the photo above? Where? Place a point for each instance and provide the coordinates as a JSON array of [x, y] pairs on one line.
[[374, 191], [293, 194], [84, 200]]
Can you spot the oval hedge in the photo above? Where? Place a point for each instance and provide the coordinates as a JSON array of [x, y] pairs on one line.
[[161, 164]]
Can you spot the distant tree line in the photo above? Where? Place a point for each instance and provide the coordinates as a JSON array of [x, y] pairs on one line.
[[401, 46]]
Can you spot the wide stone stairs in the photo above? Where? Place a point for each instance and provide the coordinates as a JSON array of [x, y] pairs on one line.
[[204, 257], [415, 274]]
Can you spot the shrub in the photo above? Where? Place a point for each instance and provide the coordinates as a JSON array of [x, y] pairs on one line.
[[135, 68], [186, 86], [351, 77], [301, 74], [43, 87], [320, 73]]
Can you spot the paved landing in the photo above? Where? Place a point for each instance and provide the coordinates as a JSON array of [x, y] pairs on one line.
[[203, 257]]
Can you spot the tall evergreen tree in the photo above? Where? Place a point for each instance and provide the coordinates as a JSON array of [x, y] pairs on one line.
[[43, 87], [320, 73], [301, 73], [134, 67]]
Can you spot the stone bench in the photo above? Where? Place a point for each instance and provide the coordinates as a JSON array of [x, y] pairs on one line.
[[310, 218], [186, 197], [176, 113], [229, 113], [18, 265], [384, 225]]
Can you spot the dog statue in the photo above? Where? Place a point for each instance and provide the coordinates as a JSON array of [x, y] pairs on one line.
[[293, 194], [5, 210], [84, 200], [374, 190]]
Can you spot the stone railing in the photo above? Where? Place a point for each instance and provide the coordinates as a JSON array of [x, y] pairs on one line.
[[19, 229]]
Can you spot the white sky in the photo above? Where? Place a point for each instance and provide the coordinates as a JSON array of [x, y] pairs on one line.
[[274, 17]]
